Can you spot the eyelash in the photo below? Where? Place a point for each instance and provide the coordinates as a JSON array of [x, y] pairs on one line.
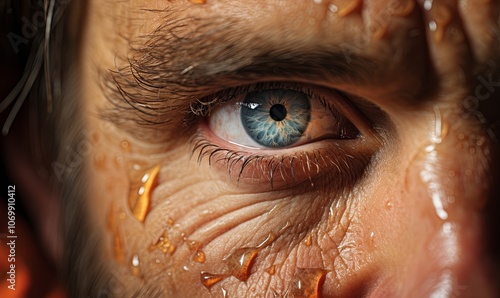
[[287, 167], [203, 106]]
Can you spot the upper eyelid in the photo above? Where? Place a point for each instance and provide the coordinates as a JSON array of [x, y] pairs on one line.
[[168, 69]]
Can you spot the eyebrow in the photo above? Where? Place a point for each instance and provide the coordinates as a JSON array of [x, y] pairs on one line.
[[186, 60]]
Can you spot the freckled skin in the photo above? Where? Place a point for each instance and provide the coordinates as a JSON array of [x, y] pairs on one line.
[[384, 237]]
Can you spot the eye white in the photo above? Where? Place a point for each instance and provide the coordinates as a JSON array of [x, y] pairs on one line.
[[225, 123]]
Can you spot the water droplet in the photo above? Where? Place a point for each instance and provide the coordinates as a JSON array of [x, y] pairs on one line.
[[224, 292], [307, 283], [432, 26], [388, 205], [346, 7], [193, 245], [140, 200], [135, 265], [157, 261], [318, 1], [308, 240], [269, 239], [141, 191], [441, 16], [240, 262], [145, 178], [428, 4], [199, 257], [164, 245], [185, 268], [210, 279], [333, 8], [135, 261], [271, 270], [371, 240], [285, 227]]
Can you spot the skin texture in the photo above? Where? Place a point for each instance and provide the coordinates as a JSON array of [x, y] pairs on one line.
[[408, 214], [410, 226]]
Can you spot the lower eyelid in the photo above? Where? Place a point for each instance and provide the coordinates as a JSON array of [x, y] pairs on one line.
[[344, 160]]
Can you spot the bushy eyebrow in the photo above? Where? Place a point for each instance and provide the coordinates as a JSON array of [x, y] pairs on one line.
[[187, 59]]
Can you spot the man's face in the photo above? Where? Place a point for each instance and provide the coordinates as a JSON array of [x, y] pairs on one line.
[[292, 148]]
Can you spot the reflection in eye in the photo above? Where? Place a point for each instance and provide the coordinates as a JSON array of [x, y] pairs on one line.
[[278, 118]]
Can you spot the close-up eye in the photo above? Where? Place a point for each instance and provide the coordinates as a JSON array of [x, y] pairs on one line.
[[279, 118], [284, 132], [259, 148]]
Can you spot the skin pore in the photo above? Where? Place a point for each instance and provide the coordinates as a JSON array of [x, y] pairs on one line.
[[398, 209]]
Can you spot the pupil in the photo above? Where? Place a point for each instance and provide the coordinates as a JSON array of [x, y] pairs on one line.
[[277, 112]]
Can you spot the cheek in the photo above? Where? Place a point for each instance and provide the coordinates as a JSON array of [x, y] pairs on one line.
[[426, 223]]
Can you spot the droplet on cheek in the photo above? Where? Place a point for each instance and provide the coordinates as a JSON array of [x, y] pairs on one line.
[[210, 279], [346, 7], [199, 257], [307, 283], [140, 198], [240, 262], [134, 265], [193, 245], [164, 245], [308, 240], [271, 270]]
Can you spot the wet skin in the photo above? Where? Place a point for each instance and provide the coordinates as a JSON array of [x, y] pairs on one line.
[[396, 212]]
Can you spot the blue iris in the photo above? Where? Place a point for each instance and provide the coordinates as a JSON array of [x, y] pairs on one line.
[[277, 117]]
